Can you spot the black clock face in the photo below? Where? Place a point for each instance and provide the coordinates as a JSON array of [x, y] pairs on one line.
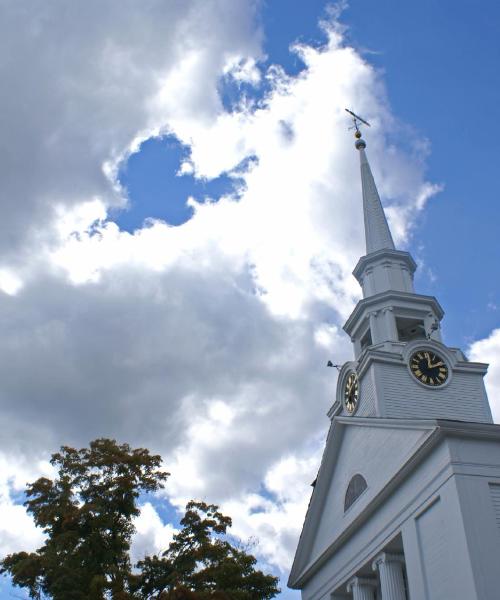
[[429, 368], [351, 393]]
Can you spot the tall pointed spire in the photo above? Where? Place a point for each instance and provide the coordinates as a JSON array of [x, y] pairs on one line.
[[383, 268], [377, 233]]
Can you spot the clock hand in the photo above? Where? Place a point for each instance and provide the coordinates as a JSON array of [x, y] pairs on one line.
[[439, 364], [426, 354]]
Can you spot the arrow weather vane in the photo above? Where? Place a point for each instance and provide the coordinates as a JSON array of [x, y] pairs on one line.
[[356, 120]]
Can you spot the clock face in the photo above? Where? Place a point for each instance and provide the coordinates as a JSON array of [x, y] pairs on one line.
[[429, 368], [351, 393]]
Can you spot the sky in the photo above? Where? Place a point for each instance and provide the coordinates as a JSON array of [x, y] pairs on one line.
[[181, 213]]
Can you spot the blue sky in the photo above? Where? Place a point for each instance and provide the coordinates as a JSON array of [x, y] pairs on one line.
[[193, 326]]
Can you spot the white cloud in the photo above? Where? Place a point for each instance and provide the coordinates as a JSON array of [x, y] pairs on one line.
[[9, 282], [152, 536], [17, 530], [298, 220], [244, 70], [206, 342], [273, 520], [488, 350], [85, 82]]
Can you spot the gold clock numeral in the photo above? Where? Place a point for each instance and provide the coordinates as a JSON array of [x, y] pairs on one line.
[[429, 368], [351, 391]]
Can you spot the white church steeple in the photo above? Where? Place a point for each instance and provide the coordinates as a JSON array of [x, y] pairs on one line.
[[383, 267], [390, 324], [406, 504]]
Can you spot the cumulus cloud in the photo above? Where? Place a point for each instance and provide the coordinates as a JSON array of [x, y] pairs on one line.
[[273, 518], [206, 342], [17, 529], [84, 82], [488, 350], [151, 536]]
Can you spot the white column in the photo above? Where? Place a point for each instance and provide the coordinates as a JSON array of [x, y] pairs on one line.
[[362, 588], [391, 332], [429, 321], [374, 327], [390, 568]]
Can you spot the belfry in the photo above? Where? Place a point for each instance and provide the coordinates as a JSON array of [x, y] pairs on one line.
[[406, 505]]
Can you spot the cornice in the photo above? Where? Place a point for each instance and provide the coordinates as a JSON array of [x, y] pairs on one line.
[[379, 255], [370, 356], [335, 410], [469, 429], [390, 298], [471, 367]]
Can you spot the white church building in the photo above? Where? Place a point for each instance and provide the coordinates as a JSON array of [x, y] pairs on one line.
[[406, 505]]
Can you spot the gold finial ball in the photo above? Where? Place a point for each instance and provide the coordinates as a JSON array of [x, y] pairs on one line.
[[357, 134]]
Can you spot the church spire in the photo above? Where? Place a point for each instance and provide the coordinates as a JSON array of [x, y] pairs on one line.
[[377, 233], [383, 268]]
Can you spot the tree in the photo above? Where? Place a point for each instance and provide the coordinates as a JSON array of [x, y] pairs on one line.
[[201, 563], [87, 514]]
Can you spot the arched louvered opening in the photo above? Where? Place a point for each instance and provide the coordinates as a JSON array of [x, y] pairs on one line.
[[356, 487]]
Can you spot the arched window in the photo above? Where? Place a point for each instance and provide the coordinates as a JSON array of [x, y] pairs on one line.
[[356, 487]]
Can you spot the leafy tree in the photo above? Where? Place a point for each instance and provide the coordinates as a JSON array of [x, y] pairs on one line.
[[87, 514], [201, 563]]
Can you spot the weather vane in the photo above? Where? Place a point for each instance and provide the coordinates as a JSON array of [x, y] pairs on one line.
[[356, 120]]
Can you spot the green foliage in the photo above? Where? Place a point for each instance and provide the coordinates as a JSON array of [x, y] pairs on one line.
[[201, 563], [86, 513]]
